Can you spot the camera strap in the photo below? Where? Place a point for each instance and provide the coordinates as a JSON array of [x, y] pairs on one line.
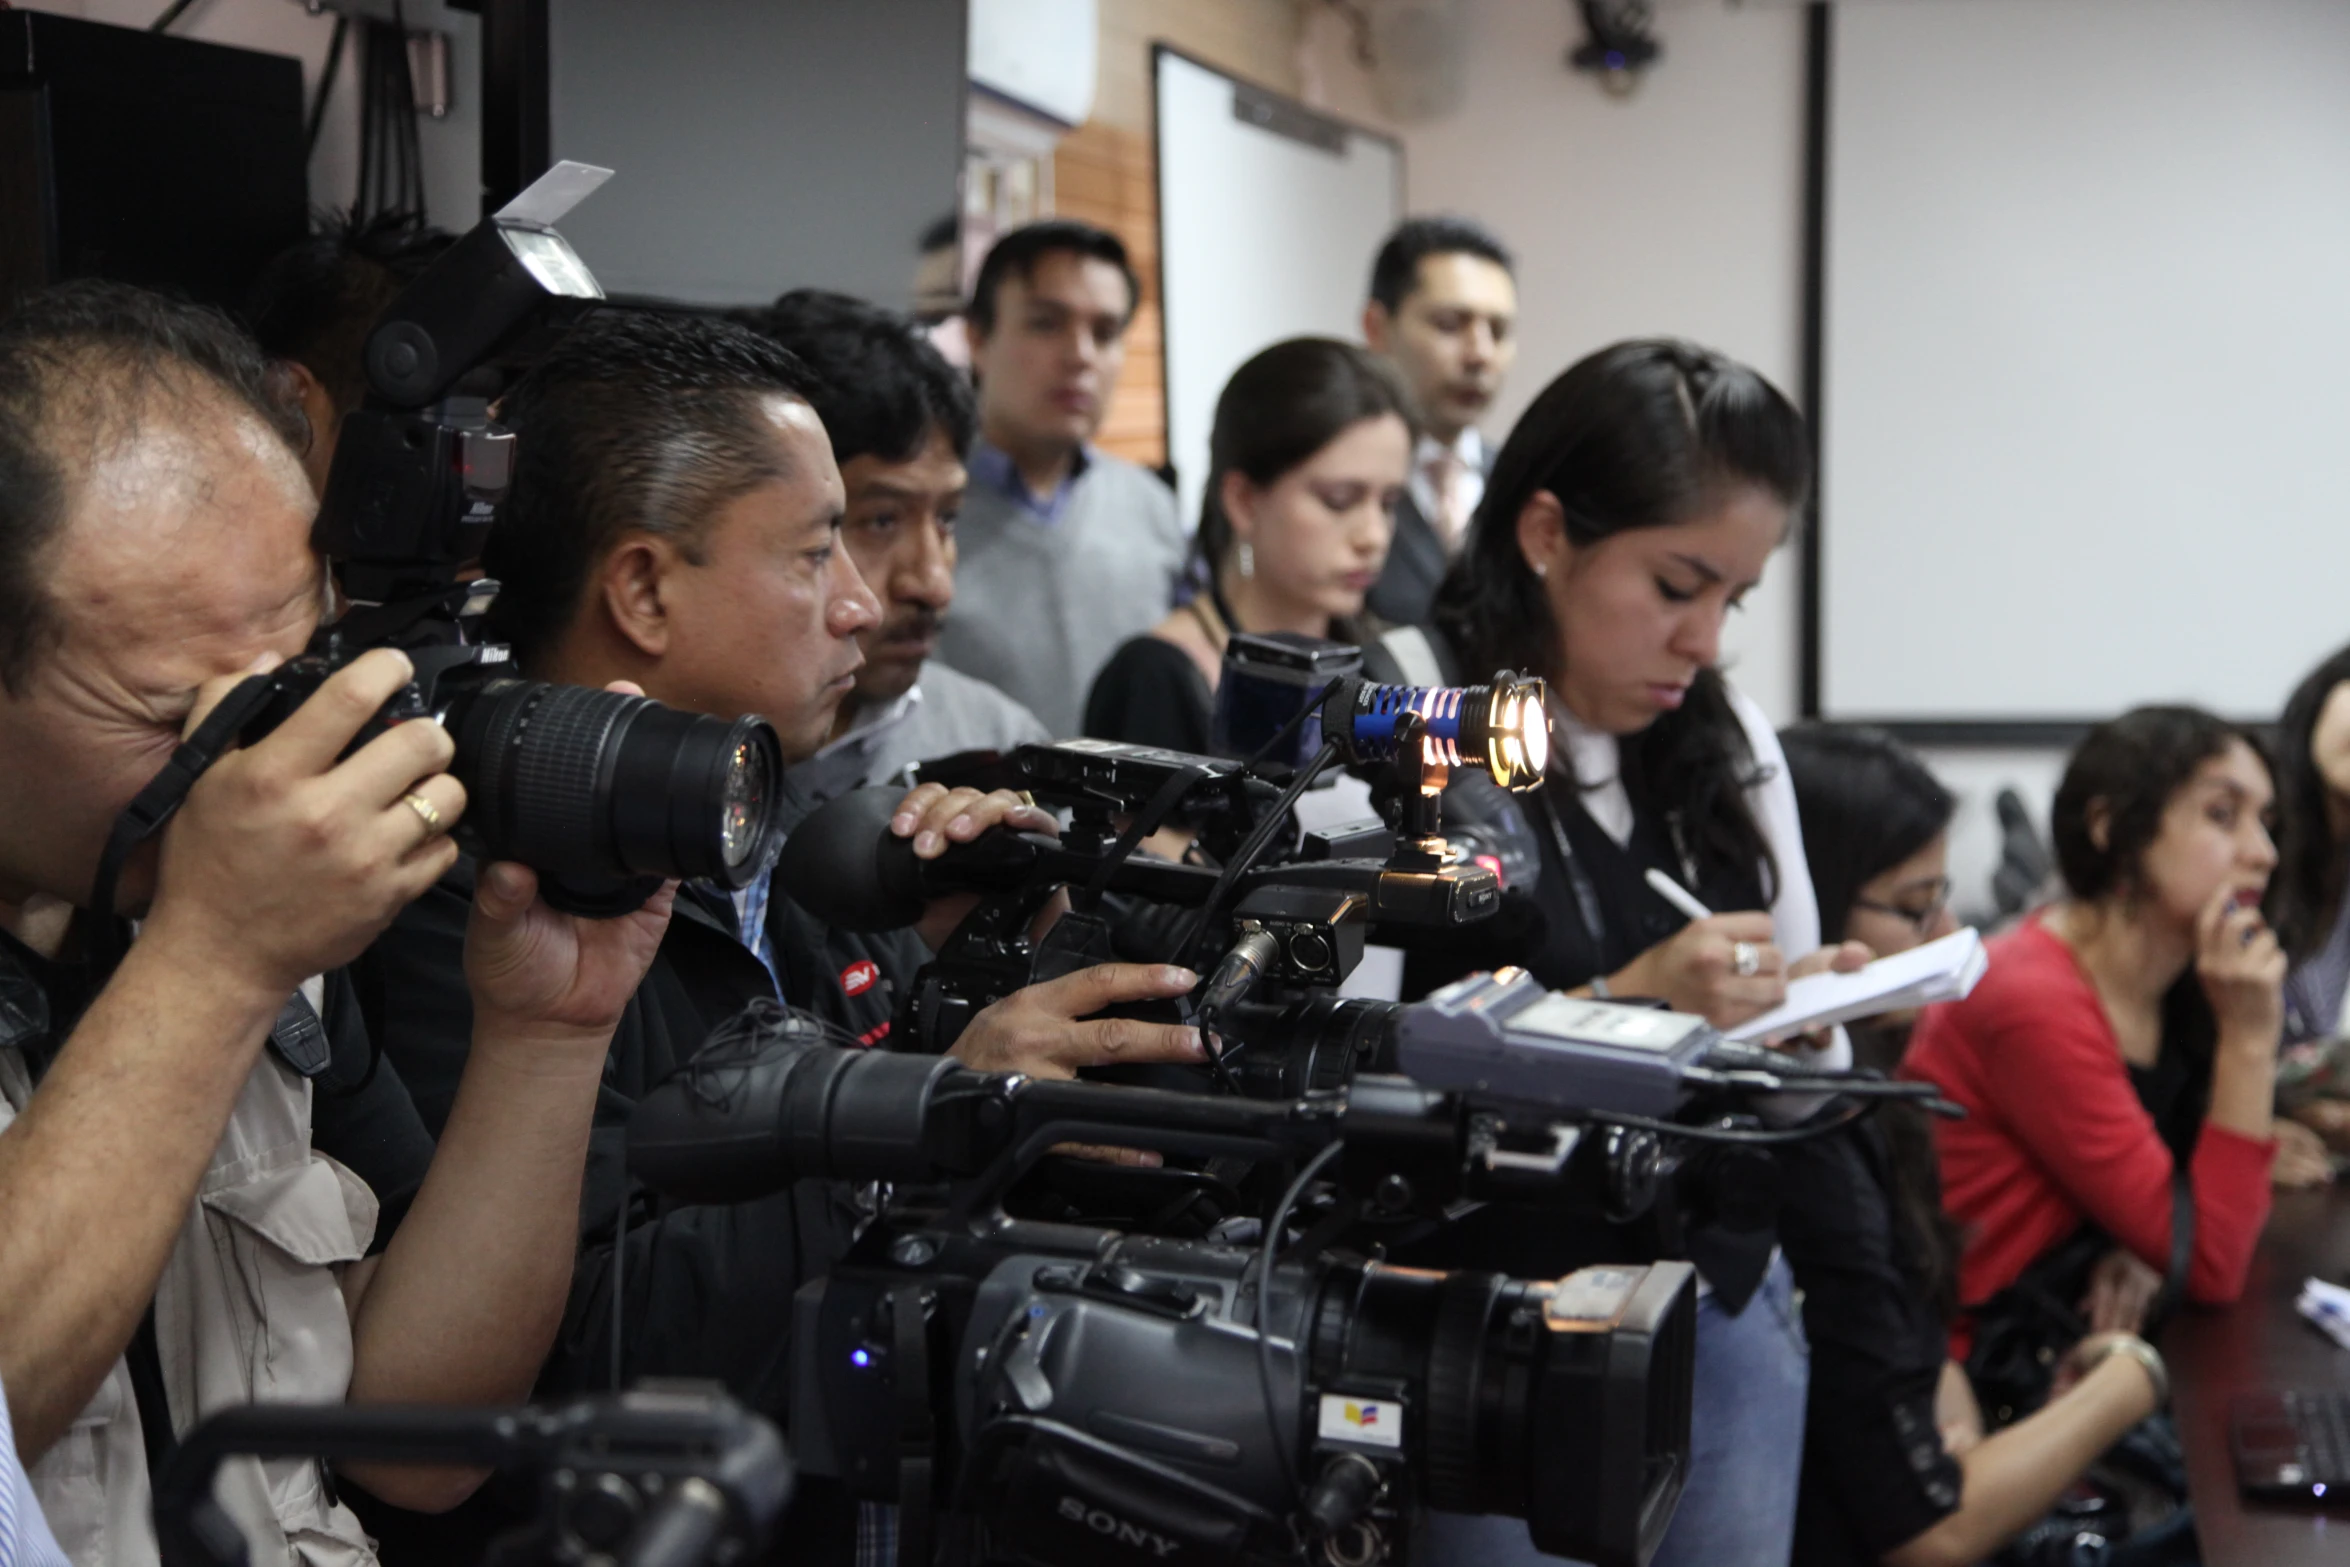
[[917, 1430], [168, 790]]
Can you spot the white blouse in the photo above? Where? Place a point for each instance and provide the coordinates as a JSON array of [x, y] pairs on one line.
[[1597, 758]]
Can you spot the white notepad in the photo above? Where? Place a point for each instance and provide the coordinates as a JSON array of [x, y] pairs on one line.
[[1943, 970]]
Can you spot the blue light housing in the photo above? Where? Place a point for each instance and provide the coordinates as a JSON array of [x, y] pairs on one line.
[[1502, 728]]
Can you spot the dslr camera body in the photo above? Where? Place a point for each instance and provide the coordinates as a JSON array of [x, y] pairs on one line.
[[604, 794]]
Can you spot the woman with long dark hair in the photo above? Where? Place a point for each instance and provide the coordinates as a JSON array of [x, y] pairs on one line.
[[1634, 505], [2127, 1033], [2306, 901], [1896, 1466], [1309, 453]]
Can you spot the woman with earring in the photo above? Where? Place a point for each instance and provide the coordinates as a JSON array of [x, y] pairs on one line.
[[1310, 450]]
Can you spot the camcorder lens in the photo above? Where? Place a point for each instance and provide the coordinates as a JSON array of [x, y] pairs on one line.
[[1563, 1403], [602, 791]]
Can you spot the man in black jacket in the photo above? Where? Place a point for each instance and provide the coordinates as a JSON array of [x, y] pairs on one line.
[[675, 523], [1443, 306]]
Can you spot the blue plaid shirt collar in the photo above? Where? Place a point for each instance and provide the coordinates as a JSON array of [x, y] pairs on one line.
[[993, 467]]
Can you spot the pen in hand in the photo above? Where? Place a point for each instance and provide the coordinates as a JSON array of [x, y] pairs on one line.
[[1677, 895]]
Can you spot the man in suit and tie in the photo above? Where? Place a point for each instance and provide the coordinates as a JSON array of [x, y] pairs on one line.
[[1444, 307]]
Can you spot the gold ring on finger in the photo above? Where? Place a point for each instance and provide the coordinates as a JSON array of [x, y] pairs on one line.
[[426, 812]]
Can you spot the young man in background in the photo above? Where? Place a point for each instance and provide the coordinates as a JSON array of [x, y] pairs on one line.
[[1444, 307], [1066, 551]]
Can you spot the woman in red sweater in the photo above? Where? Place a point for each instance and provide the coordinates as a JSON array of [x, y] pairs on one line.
[[2129, 1026]]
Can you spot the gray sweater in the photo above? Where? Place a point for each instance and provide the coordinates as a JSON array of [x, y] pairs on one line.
[[1040, 606], [946, 712]]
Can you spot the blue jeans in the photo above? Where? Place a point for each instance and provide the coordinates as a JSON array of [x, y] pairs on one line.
[[1745, 1450]]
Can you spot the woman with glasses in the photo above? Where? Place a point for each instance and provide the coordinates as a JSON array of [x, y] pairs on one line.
[[1896, 1467], [1634, 506]]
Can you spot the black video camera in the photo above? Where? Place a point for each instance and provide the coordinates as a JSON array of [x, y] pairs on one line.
[[1261, 903], [1061, 1394], [665, 1475], [604, 794]]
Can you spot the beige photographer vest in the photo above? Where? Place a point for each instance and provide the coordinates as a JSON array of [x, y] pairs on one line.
[[249, 1309]]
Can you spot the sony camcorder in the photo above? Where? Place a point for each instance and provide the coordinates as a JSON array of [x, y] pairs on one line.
[[1069, 1394]]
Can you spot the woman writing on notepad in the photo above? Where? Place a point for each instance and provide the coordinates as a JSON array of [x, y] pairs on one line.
[[2118, 1061], [1633, 507]]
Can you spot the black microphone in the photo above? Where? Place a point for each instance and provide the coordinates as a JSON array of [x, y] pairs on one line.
[[847, 868]]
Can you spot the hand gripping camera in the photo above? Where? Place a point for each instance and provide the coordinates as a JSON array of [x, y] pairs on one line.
[[1286, 909], [605, 795]]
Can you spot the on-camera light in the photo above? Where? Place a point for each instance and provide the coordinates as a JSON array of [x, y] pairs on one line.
[[1502, 728]]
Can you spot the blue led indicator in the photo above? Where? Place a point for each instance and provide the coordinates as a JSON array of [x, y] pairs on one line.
[[860, 1359]]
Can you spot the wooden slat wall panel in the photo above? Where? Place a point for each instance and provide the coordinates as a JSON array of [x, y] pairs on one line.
[[1103, 172]]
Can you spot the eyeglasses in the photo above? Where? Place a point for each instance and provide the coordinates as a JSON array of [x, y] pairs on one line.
[[1920, 914]]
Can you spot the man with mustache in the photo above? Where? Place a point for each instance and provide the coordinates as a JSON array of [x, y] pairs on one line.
[[1443, 306], [1066, 550], [901, 421]]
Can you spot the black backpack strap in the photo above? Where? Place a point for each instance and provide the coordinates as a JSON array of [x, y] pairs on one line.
[[145, 1360]]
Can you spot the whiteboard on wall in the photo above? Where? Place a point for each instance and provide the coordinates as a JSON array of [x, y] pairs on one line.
[[2086, 372], [1269, 215]]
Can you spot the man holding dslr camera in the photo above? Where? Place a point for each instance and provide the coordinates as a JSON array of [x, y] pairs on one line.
[[212, 1195], [675, 522]]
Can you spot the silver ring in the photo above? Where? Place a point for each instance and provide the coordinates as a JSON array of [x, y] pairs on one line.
[[426, 812], [1745, 958]]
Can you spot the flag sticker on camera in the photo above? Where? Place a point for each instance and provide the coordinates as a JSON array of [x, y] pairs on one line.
[[1377, 1422]]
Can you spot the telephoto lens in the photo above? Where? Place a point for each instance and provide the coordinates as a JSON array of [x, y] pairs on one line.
[[589, 785], [605, 795]]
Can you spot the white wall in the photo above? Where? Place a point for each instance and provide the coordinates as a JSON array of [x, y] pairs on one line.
[[1676, 210], [451, 147], [2087, 326]]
